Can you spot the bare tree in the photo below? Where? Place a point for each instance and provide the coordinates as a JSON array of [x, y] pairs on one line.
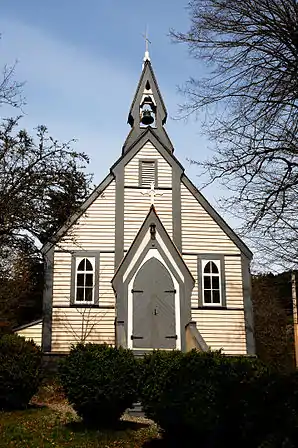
[[250, 97], [42, 183], [10, 88]]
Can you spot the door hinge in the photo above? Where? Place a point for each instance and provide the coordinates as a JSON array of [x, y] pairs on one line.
[[172, 337], [136, 337], [136, 290], [171, 290]]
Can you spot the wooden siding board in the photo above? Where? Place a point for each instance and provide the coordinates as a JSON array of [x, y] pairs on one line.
[[73, 325], [136, 208], [33, 332], [95, 229], [222, 329], [199, 231], [106, 273]]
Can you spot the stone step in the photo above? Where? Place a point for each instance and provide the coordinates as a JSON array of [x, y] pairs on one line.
[[136, 410]]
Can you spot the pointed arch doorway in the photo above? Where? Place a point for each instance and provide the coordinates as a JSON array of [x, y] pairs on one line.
[[153, 307]]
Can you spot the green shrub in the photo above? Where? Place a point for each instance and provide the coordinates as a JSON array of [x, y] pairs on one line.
[[218, 400], [100, 382], [20, 371]]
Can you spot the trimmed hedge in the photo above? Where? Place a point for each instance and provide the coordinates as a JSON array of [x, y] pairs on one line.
[[20, 371], [100, 382], [219, 400]]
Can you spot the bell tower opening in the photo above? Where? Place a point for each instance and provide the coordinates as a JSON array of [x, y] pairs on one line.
[[147, 108]]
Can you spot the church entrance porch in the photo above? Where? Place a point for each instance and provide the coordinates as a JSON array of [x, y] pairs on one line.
[[153, 289], [153, 308]]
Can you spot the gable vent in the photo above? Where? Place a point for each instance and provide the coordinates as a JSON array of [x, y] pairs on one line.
[[148, 173]]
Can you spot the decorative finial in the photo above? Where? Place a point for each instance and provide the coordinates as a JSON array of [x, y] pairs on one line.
[[147, 42]]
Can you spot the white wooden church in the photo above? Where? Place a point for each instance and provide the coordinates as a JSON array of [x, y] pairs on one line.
[[147, 263]]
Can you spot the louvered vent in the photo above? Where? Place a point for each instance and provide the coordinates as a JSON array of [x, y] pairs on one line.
[[147, 173]]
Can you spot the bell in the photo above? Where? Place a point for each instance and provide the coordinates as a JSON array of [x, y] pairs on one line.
[[147, 117]]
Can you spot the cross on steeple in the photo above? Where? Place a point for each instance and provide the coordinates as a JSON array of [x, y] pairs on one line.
[[147, 42], [152, 193]]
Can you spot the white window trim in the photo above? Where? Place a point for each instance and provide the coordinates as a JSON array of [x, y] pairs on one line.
[[92, 261], [204, 262]]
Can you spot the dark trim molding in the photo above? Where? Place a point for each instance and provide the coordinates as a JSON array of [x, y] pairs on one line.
[[30, 324], [218, 308], [87, 254], [108, 307], [197, 253], [48, 301], [211, 257], [137, 187], [248, 310], [176, 205], [119, 214]]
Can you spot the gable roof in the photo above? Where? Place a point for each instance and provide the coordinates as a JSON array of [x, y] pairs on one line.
[[150, 135], [152, 218]]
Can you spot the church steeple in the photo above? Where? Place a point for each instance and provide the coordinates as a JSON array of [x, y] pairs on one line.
[[147, 109]]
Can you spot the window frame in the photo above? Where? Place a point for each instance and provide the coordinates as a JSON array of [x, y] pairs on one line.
[[155, 161], [84, 287], [219, 260], [76, 258], [211, 275]]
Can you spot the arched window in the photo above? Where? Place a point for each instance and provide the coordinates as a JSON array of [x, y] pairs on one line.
[[211, 282], [85, 271]]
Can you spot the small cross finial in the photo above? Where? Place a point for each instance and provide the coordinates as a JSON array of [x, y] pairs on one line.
[[152, 193], [147, 42]]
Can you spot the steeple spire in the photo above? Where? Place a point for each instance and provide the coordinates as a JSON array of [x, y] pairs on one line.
[[148, 111]]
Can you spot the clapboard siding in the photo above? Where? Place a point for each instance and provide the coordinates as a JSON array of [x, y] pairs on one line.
[[234, 284], [33, 332], [106, 273], [72, 325], [95, 229], [222, 329], [164, 170], [136, 208], [192, 264], [62, 279], [200, 233]]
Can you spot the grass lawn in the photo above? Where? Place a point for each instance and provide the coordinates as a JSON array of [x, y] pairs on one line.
[[44, 428], [50, 422]]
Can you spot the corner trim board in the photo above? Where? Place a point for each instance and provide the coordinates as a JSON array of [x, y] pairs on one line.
[[48, 301], [248, 310], [119, 215]]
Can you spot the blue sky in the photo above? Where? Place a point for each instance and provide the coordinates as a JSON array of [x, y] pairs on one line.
[[82, 61]]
